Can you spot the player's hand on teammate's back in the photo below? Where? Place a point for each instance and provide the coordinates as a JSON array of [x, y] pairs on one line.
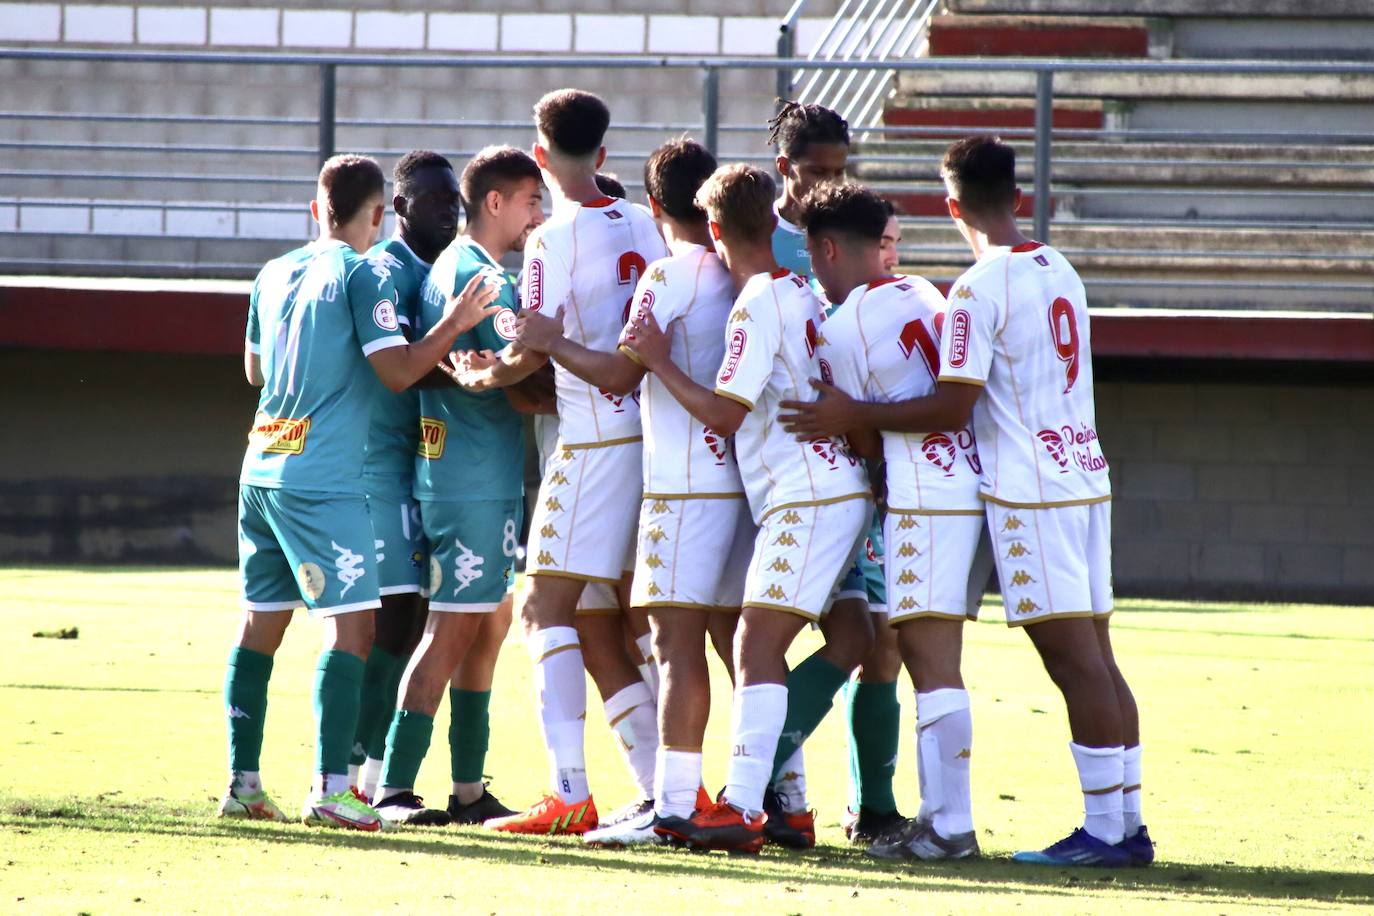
[[831, 415], [652, 344], [473, 304], [537, 332]]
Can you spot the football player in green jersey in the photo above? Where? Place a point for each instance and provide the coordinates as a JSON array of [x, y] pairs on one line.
[[427, 207], [321, 323], [469, 480], [812, 145]]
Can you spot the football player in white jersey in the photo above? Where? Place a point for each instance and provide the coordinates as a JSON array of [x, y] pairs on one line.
[[695, 534], [810, 499], [582, 265], [1015, 356], [881, 344]]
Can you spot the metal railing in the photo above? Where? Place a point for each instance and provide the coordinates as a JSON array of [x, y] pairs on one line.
[[259, 172]]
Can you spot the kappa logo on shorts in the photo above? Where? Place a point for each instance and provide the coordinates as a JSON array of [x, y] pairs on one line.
[[1021, 577], [279, 435], [653, 589], [1017, 550], [1026, 606], [549, 531], [791, 518], [659, 507], [311, 579], [557, 478], [959, 324], [1013, 523], [776, 593], [467, 567], [656, 534], [433, 435], [780, 565], [786, 539], [906, 604], [908, 550], [909, 578], [545, 558], [733, 352], [907, 523], [653, 561], [553, 505], [349, 565]]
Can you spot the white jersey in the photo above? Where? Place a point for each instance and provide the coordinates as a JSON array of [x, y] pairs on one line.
[[882, 344], [692, 292], [587, 259], [770, 356], [1018, 325]]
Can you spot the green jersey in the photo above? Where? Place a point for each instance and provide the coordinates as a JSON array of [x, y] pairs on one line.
[[789, 248], [472, 444], [394, 432], [314, 317]]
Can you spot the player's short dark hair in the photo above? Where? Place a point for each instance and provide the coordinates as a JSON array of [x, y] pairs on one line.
[[888, 207], [607, 183], [411, 165], [848, 210], [797, 126], [740, 198], [574, 122], [673, 175], [349, 181], [982, 174], [494, 168]]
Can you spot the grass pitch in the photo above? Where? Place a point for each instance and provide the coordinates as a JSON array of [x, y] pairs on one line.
[[1258, 750]]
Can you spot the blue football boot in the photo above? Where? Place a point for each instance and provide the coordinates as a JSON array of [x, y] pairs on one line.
[[1079, 848]]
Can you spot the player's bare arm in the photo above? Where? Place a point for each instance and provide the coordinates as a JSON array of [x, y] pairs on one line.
[[613, 372], [653, 346], [482, 370], [401, 367], [836, 413], [252, 367]]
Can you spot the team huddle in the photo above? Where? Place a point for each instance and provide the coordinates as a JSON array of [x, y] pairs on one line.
[[748, 424]]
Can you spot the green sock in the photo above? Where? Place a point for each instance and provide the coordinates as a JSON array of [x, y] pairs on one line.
[[875, 723], [406, 745], [811, 688], [376, 743], [338, 686], [375, 706], [469, 732], [245, 704]]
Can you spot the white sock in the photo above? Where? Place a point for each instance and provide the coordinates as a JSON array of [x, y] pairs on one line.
[[649, 669], [245, 782], [370, 775], [633, 716], [791, 784], [1130, 792], [561, 686], [944, 744], [677, 776], [353, 773], [759, 713], [334, 783], [1100, 773]]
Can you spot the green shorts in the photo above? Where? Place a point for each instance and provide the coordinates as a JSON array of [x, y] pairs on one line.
[[401, 553], [472, 547], [865, 578], [306, 549]]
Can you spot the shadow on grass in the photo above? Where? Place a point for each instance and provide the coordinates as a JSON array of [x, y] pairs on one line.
[[832, 865]]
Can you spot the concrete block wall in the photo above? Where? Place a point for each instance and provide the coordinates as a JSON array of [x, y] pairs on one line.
[[1261, 491]]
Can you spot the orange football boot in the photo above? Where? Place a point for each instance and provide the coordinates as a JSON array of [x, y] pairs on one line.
[[551, 815], [720, 826]]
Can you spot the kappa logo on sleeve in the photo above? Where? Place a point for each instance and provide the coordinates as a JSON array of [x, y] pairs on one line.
[[384, 316], [534, 283], [732, 355], [959, 323]]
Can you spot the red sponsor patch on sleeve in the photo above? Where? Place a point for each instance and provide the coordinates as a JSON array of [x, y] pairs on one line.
[[732, 355], [534, 284], [959, 323]]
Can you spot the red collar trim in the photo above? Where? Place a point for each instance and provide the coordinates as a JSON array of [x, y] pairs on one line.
[[883, 282], [599, 203], [1028, 246], [780, 273]]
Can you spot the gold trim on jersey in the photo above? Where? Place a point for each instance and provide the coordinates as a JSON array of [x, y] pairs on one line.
[[1059, 615], [649, 496], [692, 606], [787, 609], [631, 355], [812, 502], [736, 398], [893, 620], [581, 577], [1066, 504], [962, 381], [609, 442], [892, 511]]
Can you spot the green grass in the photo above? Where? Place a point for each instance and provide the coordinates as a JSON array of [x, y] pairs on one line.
[[1258, 758]]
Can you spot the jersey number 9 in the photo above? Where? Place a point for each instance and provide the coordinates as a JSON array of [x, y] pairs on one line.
[[1064, 332]]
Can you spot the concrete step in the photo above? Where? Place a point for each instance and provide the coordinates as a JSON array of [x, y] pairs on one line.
[[1127, 85], [1316, 9], [1038, 36], [986, 113]]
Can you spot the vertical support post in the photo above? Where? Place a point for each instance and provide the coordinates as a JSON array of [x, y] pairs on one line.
[[787, 48], [328, 87], [710, 109], [1044, 120]]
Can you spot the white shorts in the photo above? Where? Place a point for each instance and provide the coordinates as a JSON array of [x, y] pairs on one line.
[[1053, 562], [692, 552], [801, 551], [584, 520], [938, 564]]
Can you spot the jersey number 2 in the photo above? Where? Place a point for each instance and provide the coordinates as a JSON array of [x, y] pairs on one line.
[[628, 270], [1064, 332]]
